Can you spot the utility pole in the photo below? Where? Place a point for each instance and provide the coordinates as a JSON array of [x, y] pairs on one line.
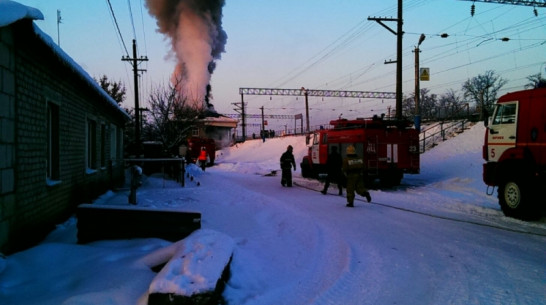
[[134, 62], [263, 121], [399, 34], [58, 28], [306, 108], [417, 119]]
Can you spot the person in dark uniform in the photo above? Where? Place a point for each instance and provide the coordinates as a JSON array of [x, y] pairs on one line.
[[287, 162], [353, 166], [333, 170]]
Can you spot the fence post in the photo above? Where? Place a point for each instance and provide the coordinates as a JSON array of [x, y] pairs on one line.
[[424, 140], [136, 174], [183, 172]]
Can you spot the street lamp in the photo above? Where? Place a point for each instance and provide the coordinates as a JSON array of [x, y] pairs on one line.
[[417, 118]]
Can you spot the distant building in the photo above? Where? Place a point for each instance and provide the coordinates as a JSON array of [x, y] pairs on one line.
[[61, 135], [216, 127]]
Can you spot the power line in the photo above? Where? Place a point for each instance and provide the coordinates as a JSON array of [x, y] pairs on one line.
[[143, 28], [117, 26], [328, 50], [131, 17]]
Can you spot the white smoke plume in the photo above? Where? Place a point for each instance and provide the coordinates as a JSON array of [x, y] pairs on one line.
[[194, 28]]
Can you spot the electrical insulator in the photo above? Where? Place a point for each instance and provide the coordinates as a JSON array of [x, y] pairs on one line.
[[472, 10], [535, 11]]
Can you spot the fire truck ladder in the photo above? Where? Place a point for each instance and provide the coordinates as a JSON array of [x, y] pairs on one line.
[[313, 92]]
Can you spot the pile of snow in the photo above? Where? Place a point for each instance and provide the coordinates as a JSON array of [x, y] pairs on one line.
[[196, 264]]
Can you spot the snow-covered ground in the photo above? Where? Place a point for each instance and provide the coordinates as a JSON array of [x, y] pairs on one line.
[[436, 239]]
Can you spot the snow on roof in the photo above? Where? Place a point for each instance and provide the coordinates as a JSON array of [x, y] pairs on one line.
[[221, 121], [11, 12]]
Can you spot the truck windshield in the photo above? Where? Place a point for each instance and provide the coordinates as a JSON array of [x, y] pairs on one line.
[[505, 114]]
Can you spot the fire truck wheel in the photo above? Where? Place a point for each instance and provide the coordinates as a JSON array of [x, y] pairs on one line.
[[391, 179], [305, 171], [514, 199]]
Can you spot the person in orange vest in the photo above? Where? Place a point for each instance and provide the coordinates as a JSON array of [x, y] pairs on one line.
[[203, 158]]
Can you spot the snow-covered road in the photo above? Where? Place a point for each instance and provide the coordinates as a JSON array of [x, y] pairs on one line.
[[436, 239], [297, 246]]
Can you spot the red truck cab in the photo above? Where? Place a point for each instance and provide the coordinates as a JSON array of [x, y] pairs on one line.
[[515, 151]]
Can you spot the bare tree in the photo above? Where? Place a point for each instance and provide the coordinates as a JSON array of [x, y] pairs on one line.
[[535, 81], [170, 117], [408, 106], [428, 105], [483, 89], [453, 104]]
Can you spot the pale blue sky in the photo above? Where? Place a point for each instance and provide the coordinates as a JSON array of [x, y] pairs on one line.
[[317, 44]]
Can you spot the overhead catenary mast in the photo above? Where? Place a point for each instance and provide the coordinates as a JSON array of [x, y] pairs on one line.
[[313, 92], [538, 3]]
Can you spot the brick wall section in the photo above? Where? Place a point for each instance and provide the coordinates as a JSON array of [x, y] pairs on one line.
[[7, 132], [29, 206]]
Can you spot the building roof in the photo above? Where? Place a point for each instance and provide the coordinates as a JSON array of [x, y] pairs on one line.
[[11, 12], [220, 121]]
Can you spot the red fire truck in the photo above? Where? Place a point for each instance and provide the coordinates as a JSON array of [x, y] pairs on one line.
[[389, 148], [515, 152]]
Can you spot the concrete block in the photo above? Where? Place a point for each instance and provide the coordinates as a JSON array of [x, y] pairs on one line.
[[99, 222]]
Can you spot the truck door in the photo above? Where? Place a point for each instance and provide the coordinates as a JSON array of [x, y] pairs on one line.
[[502, 130], [533, 133], [315, 148]]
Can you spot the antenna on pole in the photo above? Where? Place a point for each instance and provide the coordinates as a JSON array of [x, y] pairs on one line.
[[59, 19]]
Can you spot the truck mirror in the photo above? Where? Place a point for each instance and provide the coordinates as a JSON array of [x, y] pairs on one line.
[[307, 138]]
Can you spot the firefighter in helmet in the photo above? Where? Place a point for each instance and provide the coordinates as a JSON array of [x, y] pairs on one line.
[[287, 162], [353, 167]]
